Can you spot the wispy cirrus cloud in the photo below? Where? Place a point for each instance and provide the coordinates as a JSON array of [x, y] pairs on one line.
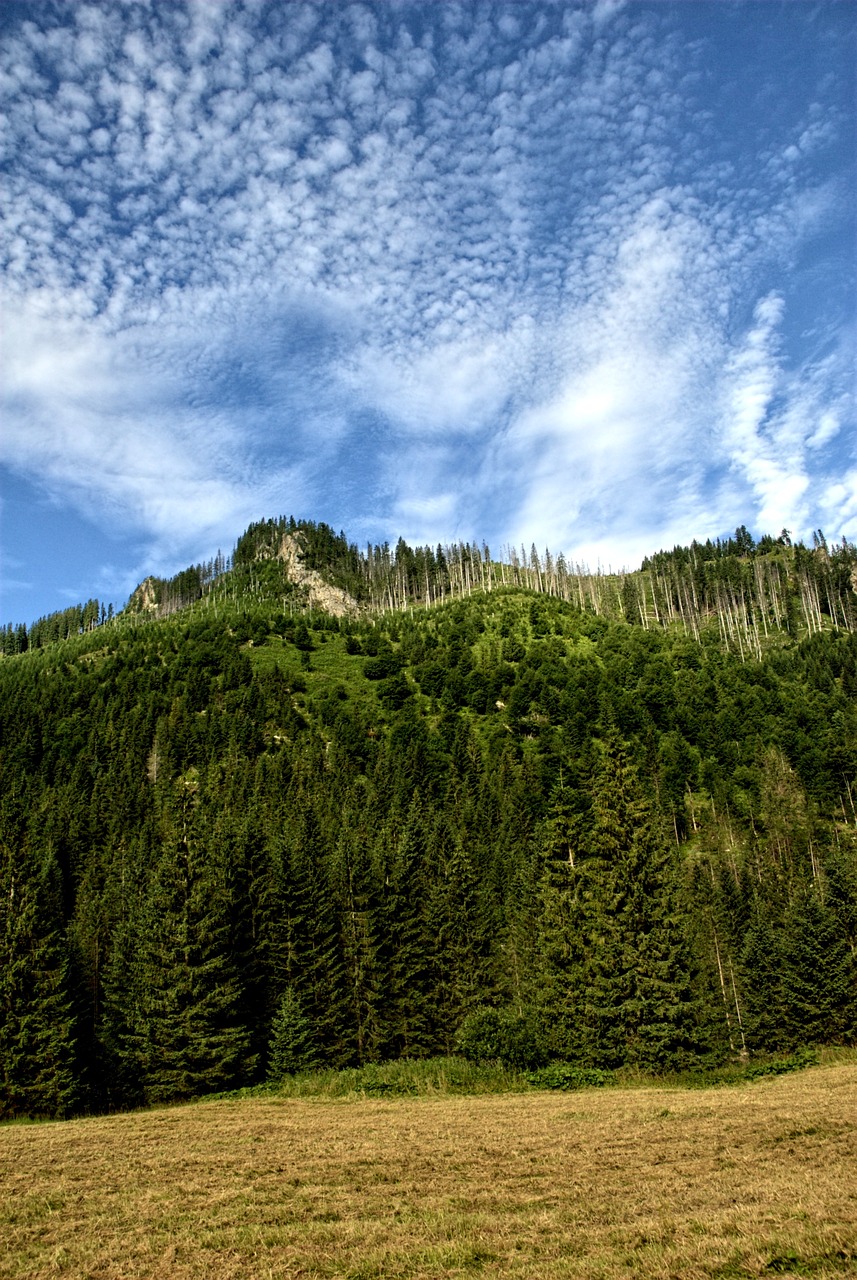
[[516, 270]]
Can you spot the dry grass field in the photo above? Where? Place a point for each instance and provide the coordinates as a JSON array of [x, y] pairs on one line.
[[757, 1180]]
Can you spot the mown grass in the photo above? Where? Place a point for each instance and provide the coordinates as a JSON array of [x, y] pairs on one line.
[[675, 1184]]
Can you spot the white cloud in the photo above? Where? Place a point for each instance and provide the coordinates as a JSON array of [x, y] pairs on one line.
[[104, 423], [521, 242], [448, 387], [615, 441], [828, 429]]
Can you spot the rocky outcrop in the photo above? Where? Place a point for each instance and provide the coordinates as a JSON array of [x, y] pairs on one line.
[[144, 599], [322, 595]]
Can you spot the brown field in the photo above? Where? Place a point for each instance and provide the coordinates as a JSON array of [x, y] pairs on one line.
[[757, 1180]]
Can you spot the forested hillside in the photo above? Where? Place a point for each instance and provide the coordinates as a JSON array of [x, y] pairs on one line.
[[508, 806]]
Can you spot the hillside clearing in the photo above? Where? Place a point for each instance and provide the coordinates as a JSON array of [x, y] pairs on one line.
[[730, 1182]]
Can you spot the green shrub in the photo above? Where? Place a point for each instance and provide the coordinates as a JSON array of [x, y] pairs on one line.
[[404, 1078], [780, 1066], [500, 1035], [386, 664], [565, 1075]]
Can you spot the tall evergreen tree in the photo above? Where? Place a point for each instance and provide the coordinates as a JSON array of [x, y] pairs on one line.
[[190, 1030], [121, 1083], [640, 996], [558, 966], [762, 972], [310, 941], [38, 1031], [356, 894], [242, 836], [819, 974], [459, 936], [293, 1040], [404, 998], [122, 980]]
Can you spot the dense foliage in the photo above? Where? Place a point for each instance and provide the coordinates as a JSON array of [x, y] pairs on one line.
[[246, 837]]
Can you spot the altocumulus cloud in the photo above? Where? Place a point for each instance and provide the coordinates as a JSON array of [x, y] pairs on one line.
[[577, 274]]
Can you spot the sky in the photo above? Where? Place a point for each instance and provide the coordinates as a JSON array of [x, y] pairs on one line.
[[573, 274]]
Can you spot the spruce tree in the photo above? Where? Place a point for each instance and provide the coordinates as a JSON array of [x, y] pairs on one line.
[[118, 1043], [190, 1030], [560, 923], [353, 886], [640, 999], [459, 937], [404, 999], [38, 1031], [308, 950], [238, 833], [819, 974], [763, 1005], [292, 1045]]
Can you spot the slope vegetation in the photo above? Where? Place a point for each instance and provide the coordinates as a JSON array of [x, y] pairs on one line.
[[240, 835]]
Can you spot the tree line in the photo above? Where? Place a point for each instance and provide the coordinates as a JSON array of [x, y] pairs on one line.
[[749, 590]]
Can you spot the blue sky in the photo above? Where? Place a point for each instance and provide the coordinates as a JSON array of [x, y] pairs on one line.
[[578, 274]]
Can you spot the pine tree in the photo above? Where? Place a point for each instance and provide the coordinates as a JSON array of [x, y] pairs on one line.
[[763, 1004], [292, 1045], [308, 950], [819, 974], [404, 999], [640, 999], [352, 883], [118, 1044], [459, 938], [122, 979], [190, 1030], [239, 836], [561, 922], [38, 1032]]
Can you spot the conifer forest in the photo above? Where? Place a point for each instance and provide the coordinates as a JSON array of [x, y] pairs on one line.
[[311, 805]]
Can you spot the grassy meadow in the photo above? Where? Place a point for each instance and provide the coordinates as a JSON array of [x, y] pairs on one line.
[[750, 1180]]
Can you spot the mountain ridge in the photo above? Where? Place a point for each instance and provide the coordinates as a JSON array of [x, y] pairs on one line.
[[750, 589]]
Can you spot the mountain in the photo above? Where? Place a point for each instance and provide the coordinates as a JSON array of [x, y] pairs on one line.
[[311, 804]]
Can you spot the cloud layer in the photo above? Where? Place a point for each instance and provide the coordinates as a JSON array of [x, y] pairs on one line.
[[577, 274]]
